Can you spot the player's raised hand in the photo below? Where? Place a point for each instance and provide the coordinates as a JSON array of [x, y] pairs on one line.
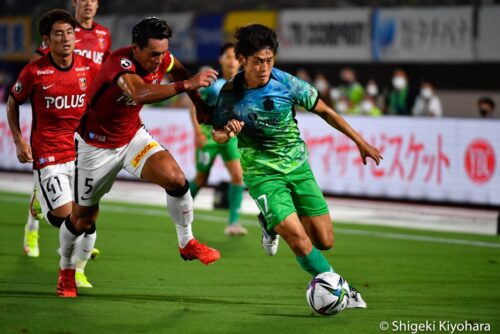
[[23, 151], [366, 150], [233, 127], [201, 79]]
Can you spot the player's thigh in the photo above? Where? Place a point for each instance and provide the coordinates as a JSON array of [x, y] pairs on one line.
[[147, 159], [95, 171], [273, 199], [54, 188], [205, 158], [311, 206]]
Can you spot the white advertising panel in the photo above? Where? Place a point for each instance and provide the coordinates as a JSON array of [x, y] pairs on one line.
[[450, 160], [324, 35], [420, 35]]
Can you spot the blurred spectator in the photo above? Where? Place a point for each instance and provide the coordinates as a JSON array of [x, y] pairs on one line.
[[371, 89], [350, 87], [323, 87], [398, 100], [334, 95], [302, 74], [486, 107], [367, 107], [342, 105], [427, 103]]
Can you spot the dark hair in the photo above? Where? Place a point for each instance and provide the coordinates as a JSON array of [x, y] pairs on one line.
[[151, 27], [487, 100], [253, 38], [223, 49], [48, 19]]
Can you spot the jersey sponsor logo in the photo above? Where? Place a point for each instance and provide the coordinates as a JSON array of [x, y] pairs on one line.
[[137, 159], [44, 72], [95, 56], [83, 83], [125, 63], [42, 161], [47, 87], [65, 102], [82, 69], [101, 32], [18, 87]]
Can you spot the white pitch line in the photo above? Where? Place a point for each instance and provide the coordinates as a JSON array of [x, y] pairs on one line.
[[385, 235]]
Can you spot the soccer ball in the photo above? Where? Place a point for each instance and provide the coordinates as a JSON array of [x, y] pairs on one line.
[[328, 293]]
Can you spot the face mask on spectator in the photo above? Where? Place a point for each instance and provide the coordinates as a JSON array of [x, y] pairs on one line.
[[341, 107], [399, 82], [426, 92], [366, 106], [334, 94], [372, 90], [321, 85], [484, 112]]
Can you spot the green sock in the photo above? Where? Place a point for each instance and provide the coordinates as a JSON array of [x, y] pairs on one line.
[[194, 188], [235, 196], [314, 262]]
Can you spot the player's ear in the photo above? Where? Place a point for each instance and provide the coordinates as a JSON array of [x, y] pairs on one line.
[[241, 60], [45, 39], [73, 2]]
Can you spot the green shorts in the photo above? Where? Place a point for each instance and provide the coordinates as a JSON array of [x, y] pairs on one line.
[[206, 155], [279, 195]]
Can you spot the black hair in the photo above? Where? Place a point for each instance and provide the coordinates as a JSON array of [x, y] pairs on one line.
[[48, 19], [223, 49], [488, 100], [151, 27], [253, 38]]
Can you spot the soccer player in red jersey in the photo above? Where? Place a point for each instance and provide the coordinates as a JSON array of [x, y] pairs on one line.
[[92, 40], [57, 84], [111, 137]]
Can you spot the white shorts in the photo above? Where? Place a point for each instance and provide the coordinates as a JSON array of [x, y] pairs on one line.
[[54, 185], [96, 168]]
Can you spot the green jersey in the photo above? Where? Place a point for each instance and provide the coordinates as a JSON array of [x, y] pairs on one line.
[[270, 139]]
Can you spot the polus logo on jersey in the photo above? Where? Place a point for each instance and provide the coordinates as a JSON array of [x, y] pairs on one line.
[[65, 102], [95, 56]]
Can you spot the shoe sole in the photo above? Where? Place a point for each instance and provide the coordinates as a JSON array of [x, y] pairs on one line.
[[185, 258]]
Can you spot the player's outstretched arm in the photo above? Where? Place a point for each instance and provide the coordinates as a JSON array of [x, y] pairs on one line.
[[180, 73], [23, 149], [199, 137], [230, 130], [339, 123], [144, 93]]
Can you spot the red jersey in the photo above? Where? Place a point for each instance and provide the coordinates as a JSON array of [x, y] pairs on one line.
[[93, 43], [58, 101], [113, 118]]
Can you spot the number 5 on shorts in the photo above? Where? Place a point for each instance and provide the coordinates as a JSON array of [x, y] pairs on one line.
[[262, 203]]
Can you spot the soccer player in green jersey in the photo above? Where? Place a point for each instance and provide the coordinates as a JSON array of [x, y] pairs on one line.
[[207, 149], [257, 105]]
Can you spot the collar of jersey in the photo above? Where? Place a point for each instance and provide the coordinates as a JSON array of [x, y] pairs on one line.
[[59, 67]]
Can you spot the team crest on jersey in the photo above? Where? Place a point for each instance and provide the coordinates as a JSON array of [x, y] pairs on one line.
[[83, 83], [18, 87], [43, 45], [268, 104], [125, 63], [102, 42]]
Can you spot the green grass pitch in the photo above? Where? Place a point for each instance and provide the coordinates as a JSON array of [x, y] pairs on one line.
[[143, 286]]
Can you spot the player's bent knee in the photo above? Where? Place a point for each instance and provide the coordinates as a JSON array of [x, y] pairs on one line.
[[301, 246]]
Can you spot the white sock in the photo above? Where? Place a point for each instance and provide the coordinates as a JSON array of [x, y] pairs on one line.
[[83, 250], [32, 224], [66, 247], [181, 211]]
